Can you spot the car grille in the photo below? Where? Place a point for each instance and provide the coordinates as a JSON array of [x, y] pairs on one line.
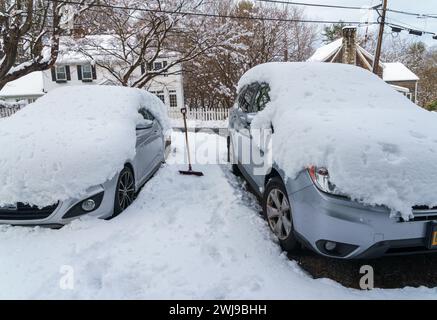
[[423, 213], [27, 212]]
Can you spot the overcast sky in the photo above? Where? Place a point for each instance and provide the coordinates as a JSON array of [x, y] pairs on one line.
[[417, 6]]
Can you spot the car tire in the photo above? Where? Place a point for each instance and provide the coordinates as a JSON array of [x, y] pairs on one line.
[[277, 211], [231, 159], [125, 191]]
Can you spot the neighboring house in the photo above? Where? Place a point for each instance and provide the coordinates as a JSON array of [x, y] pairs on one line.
[[169, 86], [346, 50], [73, 69], [25, 89]]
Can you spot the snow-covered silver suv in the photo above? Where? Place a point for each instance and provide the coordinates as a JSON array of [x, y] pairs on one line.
[[305, 207]]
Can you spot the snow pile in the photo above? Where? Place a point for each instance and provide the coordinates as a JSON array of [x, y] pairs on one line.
[[378, 146], [69, 140], [210, 124]]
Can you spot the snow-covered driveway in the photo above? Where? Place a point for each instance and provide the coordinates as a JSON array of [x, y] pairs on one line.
[[184, 238]]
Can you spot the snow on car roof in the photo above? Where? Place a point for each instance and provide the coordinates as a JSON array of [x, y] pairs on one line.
[[69, 140], [378, 146]]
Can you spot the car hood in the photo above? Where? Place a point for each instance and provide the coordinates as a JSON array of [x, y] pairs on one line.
[[389, 160]]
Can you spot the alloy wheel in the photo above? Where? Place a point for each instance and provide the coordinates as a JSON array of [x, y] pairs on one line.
[[279, 214], [126, 189]]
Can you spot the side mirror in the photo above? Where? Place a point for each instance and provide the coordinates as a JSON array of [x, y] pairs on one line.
[[144, 125]]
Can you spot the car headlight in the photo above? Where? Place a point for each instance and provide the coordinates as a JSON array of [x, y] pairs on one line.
[[88, 205], [84, 207], [320, 177]]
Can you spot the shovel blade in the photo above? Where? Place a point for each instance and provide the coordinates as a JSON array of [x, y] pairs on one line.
[[191, 173]]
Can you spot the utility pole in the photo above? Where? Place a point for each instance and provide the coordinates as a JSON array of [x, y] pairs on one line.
[[381, 34]]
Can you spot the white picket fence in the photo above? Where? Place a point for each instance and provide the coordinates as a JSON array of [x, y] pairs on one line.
[[8, 111], [202, 114]]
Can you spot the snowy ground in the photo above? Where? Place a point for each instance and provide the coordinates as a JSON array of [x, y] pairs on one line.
[[218, 124], [184, 238]]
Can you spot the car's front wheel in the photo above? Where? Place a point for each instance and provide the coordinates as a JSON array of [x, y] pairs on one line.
[[278, 213], [125, 192]]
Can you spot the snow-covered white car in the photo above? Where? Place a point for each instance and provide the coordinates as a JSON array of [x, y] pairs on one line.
[[79, 151], [345, 165]]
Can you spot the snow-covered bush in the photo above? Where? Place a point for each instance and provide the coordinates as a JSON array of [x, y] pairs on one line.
[[19, 104], [378, 146]]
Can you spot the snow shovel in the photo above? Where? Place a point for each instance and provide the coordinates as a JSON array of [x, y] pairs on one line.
[[190, 171]]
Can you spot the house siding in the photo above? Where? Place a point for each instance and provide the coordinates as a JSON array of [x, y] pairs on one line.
[[168, 84], [411, 85]]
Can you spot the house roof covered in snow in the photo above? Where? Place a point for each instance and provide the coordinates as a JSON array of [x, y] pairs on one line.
[[324, 52], [29, 85], [395, 71], [94, 48]]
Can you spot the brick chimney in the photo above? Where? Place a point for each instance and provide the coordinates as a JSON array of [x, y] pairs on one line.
[[350, 45]]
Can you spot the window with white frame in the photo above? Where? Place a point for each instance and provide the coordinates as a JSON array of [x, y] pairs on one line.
[[87, 72], [159, 94], [61, 73], [173, 99]]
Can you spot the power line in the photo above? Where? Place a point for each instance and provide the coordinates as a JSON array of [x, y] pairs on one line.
[[403, 27], [425, 15], [312, 4], [212, 15], [376, 8]]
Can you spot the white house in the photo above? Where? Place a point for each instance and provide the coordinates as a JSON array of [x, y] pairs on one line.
[[168, 87], [73, 69], [27, 88]]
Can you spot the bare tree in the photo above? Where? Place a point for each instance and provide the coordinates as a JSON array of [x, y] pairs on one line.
[[211, 80], [29, 34], [139, 32], [419, 58]]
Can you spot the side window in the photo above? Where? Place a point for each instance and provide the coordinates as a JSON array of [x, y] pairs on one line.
[[241, 101], [247, 97], [146, 114], [262, 97]]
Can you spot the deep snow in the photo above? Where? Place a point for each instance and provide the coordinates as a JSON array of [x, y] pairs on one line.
[[71, 139], [378, 146], [183, 238]]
